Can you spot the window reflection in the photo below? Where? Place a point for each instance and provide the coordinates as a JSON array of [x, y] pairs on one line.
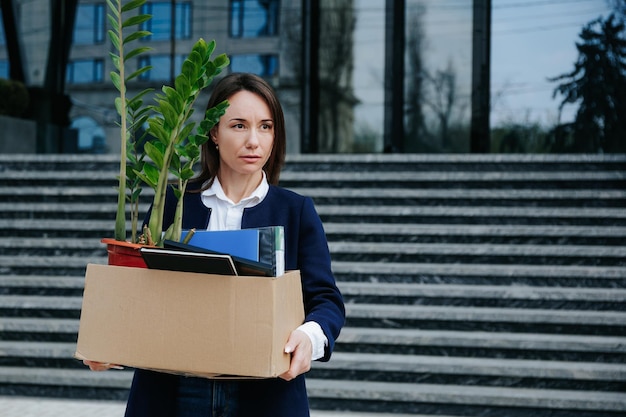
[[263, 65], [161, 23], [161, 70], [85, 71], [438, 65], [253, 18], [89, 26], [4, 68]]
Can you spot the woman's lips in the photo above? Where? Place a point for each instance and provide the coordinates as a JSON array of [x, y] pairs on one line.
[[251, 158]]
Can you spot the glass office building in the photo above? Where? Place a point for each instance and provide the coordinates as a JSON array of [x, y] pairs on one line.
[[354, 76]]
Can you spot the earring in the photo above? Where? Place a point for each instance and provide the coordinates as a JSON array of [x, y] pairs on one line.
[[217, 147]]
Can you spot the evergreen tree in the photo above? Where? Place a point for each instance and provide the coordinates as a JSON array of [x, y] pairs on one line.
[[598, 84]]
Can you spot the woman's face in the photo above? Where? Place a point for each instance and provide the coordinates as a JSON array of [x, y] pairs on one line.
[[245, 136]]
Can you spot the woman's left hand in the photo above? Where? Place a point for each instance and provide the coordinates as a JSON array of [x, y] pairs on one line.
[[301, 349]]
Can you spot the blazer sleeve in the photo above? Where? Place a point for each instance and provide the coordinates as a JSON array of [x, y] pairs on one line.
[[323, 302]]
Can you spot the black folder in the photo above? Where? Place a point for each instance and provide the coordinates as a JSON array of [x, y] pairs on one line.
[[185, 261]]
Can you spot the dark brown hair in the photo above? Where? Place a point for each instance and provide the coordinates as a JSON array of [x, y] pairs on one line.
[[226, 88]]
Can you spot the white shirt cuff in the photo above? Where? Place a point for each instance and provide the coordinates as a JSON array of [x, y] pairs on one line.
[[317, 336]]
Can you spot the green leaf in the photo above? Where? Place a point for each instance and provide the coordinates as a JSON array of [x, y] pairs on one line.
[[189, 70], [155, 128], [210, 47], [136, 52], [139, 72], [187, 130], [113, 7], [113, 23], [187, 174], [221, 61], [154, 153], [182, 86], [175, 163], [137, 35], [115, 40], [136, 20], [177, 193], [193, 152], [116, 60], [169, 114], [173, 98], [118, 105], [136, 102], [115, 78], [132, 5]]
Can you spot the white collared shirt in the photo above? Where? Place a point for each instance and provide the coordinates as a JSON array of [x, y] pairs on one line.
[[227, 215]]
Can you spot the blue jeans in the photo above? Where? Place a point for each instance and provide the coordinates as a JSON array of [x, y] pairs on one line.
[[200, 397]]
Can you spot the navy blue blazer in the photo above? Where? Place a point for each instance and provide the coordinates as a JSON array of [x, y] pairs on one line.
[[153, 394]]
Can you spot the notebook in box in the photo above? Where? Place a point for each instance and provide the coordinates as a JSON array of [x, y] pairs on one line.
[[184, 261]]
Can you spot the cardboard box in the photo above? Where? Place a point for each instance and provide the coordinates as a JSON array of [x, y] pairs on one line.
[[187, 323]]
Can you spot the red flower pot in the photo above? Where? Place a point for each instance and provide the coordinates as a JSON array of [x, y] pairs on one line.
[[124, 253]]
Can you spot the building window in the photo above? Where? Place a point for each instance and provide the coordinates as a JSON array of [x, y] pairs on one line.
[[161, 23], [4, 68], [89, 27], [253, 18], [161, 69], [262, 65], [85, 71]]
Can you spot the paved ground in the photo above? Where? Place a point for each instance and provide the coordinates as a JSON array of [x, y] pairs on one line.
[[46, 407]]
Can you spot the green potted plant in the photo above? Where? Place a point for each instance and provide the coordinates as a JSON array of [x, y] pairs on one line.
[[176, 148], [170, 141], [125, 23]]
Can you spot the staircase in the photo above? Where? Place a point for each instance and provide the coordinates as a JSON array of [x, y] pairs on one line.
[[475, 285]]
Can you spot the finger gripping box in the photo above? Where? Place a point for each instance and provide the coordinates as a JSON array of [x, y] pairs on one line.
[[188, 323]]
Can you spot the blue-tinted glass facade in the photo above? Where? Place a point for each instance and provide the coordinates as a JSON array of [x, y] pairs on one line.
[[161, 23], [4, 68], [85, 71], [89, 26], [254, 18], [262, 65], [161, 70]]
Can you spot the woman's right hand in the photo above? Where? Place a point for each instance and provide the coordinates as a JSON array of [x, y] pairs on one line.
[[99, 366]]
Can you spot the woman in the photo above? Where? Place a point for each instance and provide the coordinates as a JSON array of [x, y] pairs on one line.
[[237, 188]]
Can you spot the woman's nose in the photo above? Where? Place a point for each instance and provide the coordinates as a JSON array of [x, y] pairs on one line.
[[253, 139]]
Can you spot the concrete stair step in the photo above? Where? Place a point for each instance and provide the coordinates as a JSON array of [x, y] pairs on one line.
[[410, 365], [597, 345], [410, 396], [387, 196], [406, 232], [495, 367], [385, 339], [490, 274], [375, 251], [363, 210], [508, 293], [339, 162], [19, 229], [33, 325], [42, 282], [479, 253], [366, 176], [461, 398], [535, 320]]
